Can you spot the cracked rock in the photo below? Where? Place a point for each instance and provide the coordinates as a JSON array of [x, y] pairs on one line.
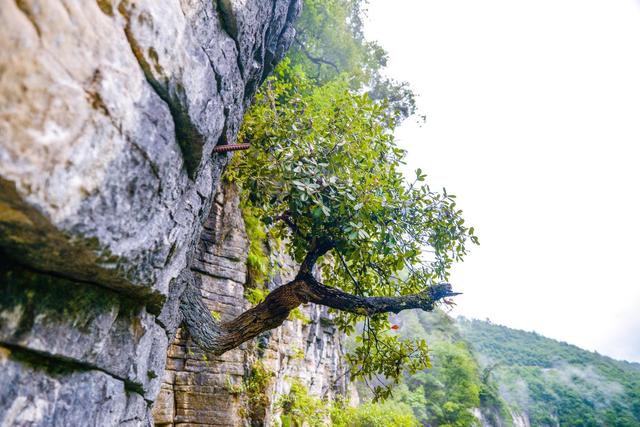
[[109, 113]]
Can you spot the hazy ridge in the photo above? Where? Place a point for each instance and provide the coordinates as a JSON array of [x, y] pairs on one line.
[[518, 378]]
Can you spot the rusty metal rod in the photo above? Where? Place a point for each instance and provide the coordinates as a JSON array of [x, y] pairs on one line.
[[230, 147]]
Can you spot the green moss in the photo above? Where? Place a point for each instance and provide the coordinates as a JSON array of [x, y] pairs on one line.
[[257, 382], [297, 314], [298, 353], [255, 387], [55, 299], [232, 388], [257, 257], [255, 295]]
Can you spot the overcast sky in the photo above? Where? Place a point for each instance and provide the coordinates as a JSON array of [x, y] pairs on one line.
[[533, 121]]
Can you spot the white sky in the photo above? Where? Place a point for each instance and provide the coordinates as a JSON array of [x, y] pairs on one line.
[[533, 121]]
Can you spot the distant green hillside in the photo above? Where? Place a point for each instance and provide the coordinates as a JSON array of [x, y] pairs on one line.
[[486, 374], [553, 382]]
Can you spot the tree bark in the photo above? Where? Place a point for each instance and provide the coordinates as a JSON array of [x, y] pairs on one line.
[[219, 337], [318, 293]]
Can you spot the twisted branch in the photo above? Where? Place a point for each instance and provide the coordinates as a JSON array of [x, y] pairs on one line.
[[219, 337]]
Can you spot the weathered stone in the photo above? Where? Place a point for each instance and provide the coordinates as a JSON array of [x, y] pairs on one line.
[[88, 147], [60, 320], [109, 112], [33, 394]]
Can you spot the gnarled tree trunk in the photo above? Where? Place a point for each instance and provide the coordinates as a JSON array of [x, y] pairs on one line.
[[219, 337]]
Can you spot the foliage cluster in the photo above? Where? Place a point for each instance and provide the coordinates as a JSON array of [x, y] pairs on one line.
[[446, 394], [330, 43], [380, 414], [324, 168], [300, 408], [255, 388]]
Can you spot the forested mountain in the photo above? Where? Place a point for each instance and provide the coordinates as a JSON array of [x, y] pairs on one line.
[[554, 382], [492, 375]]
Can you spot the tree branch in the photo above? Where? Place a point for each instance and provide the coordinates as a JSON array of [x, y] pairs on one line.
[[318, 248], [318, 293], [315, 59], [286, 218], [346, 268], [219, 337]]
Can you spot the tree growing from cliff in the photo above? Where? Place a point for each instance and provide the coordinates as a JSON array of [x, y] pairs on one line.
[[322, 176]]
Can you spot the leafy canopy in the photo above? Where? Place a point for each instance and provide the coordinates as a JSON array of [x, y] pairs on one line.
[[330, 43], [323, 168]]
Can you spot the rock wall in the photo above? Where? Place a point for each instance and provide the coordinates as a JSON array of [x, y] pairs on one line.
[[200, 389], [109, 113]]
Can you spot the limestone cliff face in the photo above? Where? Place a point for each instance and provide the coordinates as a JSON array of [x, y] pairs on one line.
[[201, 389], [109, 113]]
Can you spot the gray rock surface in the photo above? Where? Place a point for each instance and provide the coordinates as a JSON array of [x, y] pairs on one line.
[[109, 112], [93, 328], [33, 394]]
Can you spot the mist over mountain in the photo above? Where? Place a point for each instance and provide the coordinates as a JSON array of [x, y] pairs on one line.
[[508, 377]]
